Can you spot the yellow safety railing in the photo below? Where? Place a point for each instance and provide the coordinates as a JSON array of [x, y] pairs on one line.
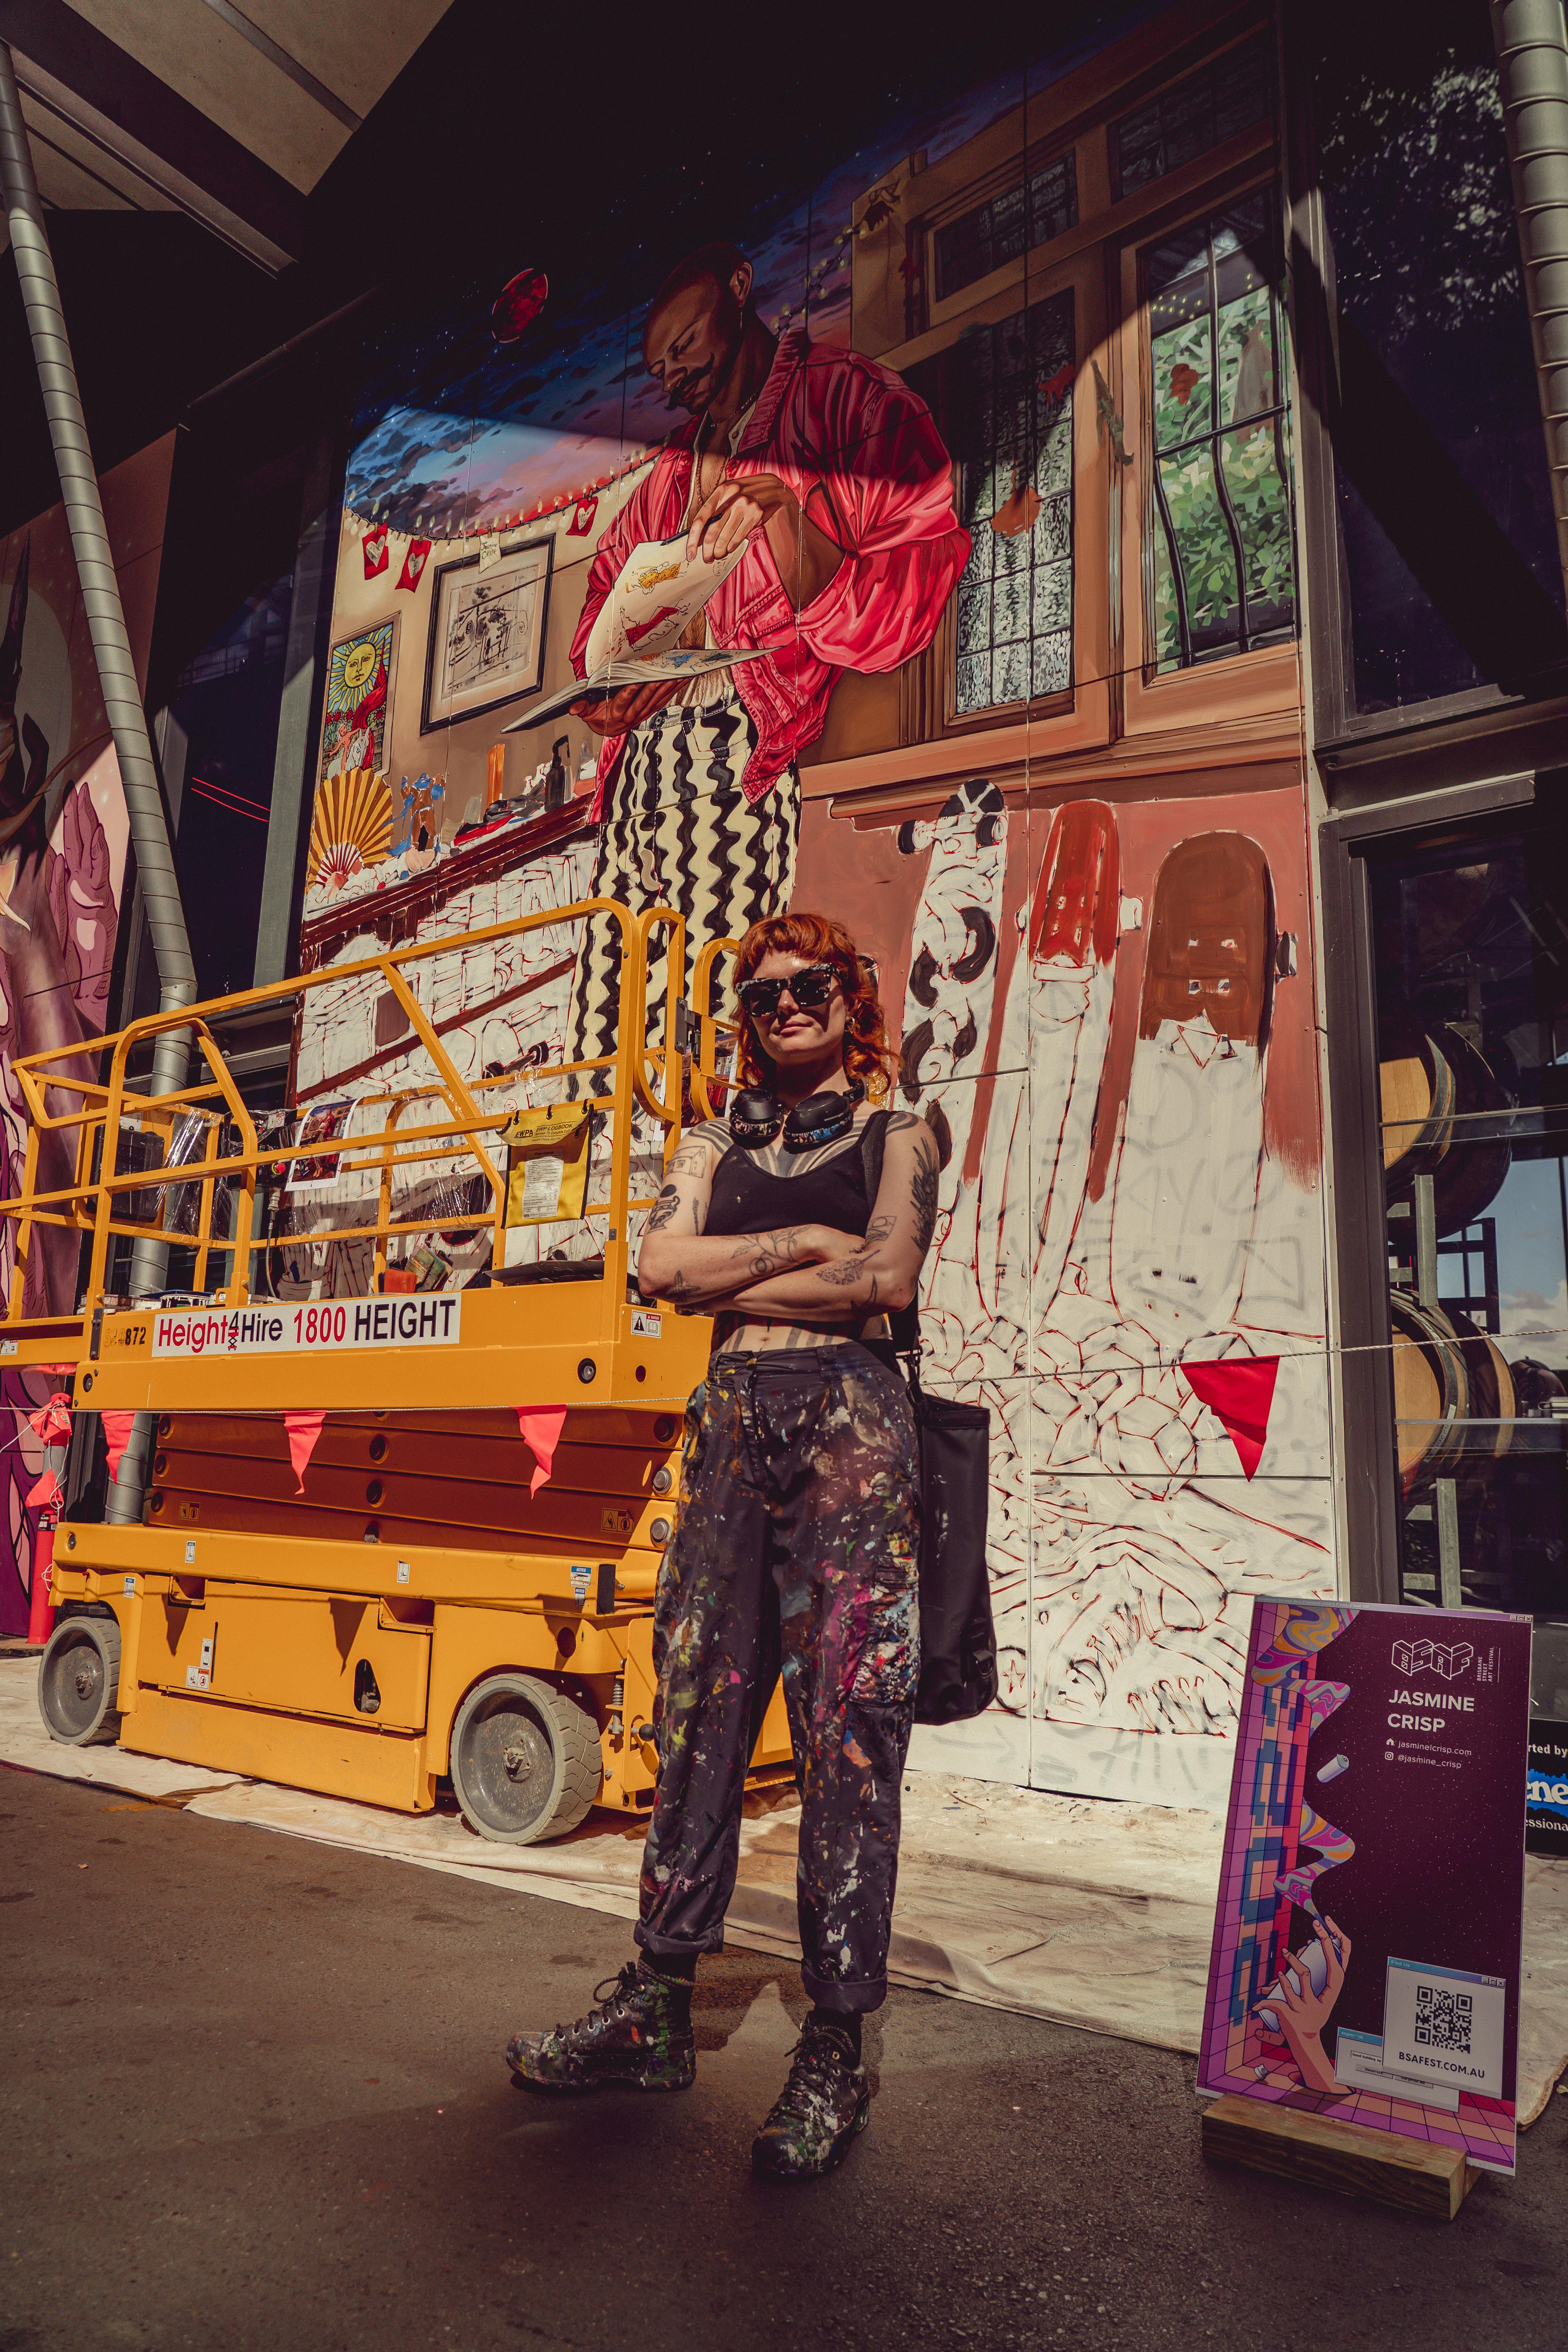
[[708, 1081], [96, 1110]]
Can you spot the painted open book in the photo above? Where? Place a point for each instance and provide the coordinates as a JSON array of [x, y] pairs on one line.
[[635, 639]]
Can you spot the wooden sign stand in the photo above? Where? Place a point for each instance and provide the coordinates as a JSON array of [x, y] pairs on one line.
[[1412, 2174]]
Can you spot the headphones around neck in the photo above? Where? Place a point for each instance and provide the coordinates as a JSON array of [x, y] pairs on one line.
[[758, 1116]]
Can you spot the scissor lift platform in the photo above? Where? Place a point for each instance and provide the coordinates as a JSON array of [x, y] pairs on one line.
[[421, 1604]]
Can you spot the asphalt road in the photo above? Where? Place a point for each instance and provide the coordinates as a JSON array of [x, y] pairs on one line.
[[253, 2097]]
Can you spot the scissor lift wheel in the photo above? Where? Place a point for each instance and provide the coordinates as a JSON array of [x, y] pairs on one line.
[[526, 1761], [79, 1682]]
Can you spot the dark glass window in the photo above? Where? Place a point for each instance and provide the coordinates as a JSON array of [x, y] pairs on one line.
[[1444, 513], [1222, 568], [1472, 1016], [1027, 213], [1201, 111], [223, 742], [1012, 398]]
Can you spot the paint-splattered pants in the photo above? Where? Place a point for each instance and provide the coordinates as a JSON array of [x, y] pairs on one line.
[[797, 1544]]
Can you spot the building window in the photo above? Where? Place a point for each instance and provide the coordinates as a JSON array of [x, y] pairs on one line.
[[1193, 116], [1451, 580], [1472, 1030], [1223, 574], [1027, 213], [1013, 392]]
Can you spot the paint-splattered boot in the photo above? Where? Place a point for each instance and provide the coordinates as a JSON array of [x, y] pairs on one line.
[[823, 2105], [639, 2036]]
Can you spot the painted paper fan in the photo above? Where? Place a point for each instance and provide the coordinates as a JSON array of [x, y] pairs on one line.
[[351, 827]]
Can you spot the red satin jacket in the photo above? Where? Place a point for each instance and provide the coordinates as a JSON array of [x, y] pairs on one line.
[[826, 420]]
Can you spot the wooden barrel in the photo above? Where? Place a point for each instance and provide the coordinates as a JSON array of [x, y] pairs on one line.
[[1491, 1396], [1469, 1176], [1431, 1391], [1416, 1085]]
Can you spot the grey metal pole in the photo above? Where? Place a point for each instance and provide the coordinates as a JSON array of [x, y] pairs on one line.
[[106, 626], [1531, 45]]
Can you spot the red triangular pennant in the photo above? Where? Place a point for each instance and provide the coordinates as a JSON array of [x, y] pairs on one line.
[[582, 521], [52, 1422], [376, 551], [1238, 1392], [413, 562], [117, 1428], [540, 1428], [46, 1492], [303, 1429]]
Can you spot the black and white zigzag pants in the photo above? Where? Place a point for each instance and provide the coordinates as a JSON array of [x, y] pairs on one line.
[[680, 832]]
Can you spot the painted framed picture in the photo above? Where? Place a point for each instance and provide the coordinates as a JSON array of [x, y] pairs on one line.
[[362, 672], [487, 632]]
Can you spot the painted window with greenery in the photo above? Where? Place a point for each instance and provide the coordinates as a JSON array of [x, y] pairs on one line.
[[1221, 539], [1012, 425]]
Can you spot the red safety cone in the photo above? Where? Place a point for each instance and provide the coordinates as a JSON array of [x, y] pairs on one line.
[[41, 1614]]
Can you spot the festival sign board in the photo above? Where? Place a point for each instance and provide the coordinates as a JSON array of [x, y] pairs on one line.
[[1366, 1952]]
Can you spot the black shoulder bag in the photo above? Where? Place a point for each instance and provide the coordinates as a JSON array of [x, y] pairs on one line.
[[958, 1635]]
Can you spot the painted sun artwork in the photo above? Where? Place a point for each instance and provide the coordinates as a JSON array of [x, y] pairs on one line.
[[358, 693]]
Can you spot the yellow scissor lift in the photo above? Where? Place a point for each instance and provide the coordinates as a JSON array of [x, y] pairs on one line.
[[416, 1613]]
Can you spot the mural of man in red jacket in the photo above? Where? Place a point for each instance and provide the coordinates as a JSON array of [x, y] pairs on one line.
[[833, 474]]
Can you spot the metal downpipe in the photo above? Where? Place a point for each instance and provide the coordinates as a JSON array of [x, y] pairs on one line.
[[111, 652], [1531, 45]]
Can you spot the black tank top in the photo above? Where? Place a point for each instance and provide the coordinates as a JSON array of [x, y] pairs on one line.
[[747, 1199]]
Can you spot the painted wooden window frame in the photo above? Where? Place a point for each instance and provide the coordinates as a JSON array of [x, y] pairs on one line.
[[1236, 687]]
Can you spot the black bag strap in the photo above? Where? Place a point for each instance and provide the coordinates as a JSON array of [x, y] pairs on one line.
[[903, 1322]]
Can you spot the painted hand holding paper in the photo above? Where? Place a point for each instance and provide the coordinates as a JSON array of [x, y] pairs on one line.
[[660, 590]]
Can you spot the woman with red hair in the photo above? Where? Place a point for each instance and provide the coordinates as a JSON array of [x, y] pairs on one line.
[[800, 1220]]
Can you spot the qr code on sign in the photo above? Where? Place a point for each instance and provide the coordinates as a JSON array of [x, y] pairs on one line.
[[1443, 2019]]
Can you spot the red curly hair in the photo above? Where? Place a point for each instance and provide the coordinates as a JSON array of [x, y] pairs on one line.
[[869, 1059]]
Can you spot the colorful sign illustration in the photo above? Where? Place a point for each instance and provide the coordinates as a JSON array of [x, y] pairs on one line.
[[1367, 1968]]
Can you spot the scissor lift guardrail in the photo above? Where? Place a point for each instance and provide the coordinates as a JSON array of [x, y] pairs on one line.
[[458, 1351], [420, 1611]]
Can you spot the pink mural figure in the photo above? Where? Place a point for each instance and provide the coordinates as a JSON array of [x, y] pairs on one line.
[[40, 1009], [1191, 1149], [57, 919], [830, 474]]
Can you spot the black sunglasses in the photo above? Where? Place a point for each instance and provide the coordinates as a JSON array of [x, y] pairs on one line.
[[810, 987]]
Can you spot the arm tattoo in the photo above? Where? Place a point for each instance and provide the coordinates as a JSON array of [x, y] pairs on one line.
[[877, 1231], [774, 1252], [922, 1194], [664, 1211], [679, 1286]]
